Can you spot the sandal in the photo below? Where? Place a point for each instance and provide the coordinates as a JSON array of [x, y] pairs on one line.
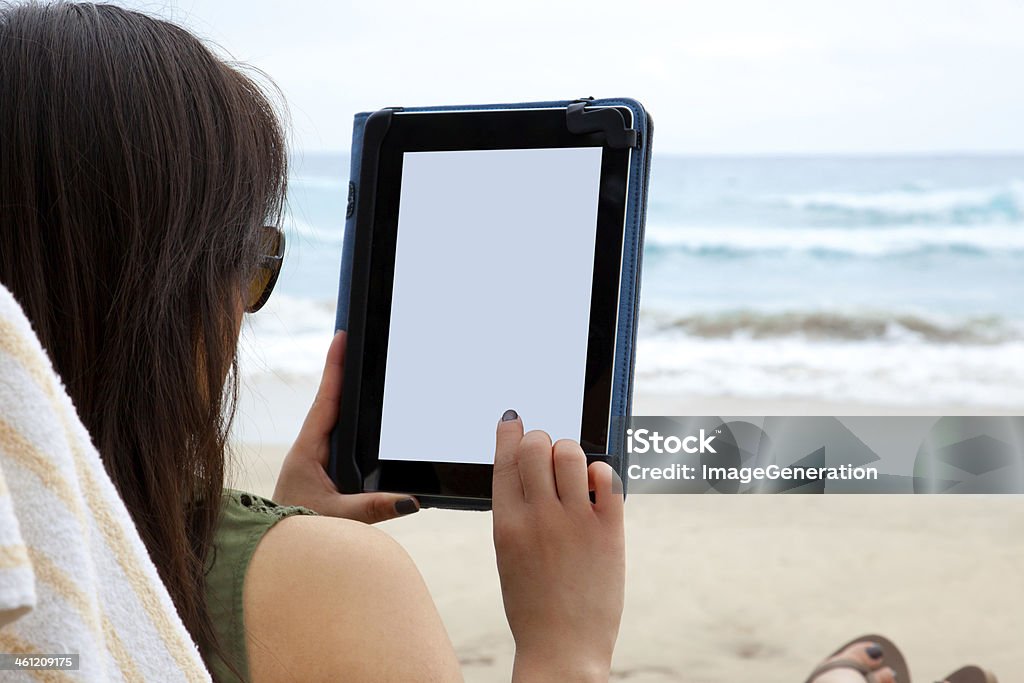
[[891, 656], [970, 674]]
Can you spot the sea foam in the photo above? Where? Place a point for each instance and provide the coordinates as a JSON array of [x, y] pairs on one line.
[[868, 241], [999, 202]]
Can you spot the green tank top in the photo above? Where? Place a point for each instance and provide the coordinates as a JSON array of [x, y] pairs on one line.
[[244, 519]]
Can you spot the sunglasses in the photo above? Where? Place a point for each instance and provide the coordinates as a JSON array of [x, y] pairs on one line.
[[263, 281]]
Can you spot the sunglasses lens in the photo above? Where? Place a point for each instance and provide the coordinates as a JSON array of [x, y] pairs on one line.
[[261, 278], [265, 276]]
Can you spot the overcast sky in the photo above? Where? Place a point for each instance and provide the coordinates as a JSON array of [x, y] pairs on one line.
[[719, 76]]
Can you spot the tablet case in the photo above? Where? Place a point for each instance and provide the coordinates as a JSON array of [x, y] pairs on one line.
[[582, 116]]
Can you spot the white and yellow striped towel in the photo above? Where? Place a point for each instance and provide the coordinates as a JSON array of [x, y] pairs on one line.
[[75, 577]]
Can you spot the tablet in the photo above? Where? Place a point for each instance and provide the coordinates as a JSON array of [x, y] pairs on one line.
[[491, 261]]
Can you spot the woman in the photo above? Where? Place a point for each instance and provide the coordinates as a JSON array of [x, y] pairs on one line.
[[137, 171]]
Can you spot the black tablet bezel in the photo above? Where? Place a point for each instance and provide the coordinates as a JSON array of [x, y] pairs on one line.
[[373, 277]]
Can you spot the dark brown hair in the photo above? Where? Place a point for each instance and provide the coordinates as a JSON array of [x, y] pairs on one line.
[[135, 169]]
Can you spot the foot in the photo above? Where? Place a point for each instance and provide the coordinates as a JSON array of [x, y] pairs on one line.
[[866, 653]]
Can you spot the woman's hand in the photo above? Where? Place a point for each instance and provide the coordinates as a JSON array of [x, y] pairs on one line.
[[561, 558], [303, 479]]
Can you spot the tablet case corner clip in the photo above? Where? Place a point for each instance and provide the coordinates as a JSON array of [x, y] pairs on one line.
[[607, 120]]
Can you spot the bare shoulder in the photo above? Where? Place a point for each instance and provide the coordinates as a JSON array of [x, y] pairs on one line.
[[331, 599]]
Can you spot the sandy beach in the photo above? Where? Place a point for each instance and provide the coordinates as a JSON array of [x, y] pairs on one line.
[[723, 589]]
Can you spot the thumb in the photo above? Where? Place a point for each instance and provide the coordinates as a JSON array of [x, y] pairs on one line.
[[370, 507], [323, 414]]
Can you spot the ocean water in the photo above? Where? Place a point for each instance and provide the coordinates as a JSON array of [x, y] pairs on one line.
[[896, 280]]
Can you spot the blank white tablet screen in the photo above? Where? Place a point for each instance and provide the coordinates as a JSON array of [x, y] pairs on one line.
[[490, 308]]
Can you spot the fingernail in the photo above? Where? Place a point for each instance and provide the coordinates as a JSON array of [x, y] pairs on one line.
[[406, 506], [509, 415], [875, 652]]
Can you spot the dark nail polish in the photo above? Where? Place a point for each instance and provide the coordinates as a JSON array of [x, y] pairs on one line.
[[406, 506], [875, 652], [509, 415]]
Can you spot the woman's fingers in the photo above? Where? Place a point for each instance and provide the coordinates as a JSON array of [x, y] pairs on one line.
[[524, 465], [530, 468]]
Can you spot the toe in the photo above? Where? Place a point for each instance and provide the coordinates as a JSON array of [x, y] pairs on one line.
[[886, 675], [867, 653]]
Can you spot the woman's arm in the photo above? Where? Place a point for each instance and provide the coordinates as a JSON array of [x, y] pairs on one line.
[[331, 599]]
